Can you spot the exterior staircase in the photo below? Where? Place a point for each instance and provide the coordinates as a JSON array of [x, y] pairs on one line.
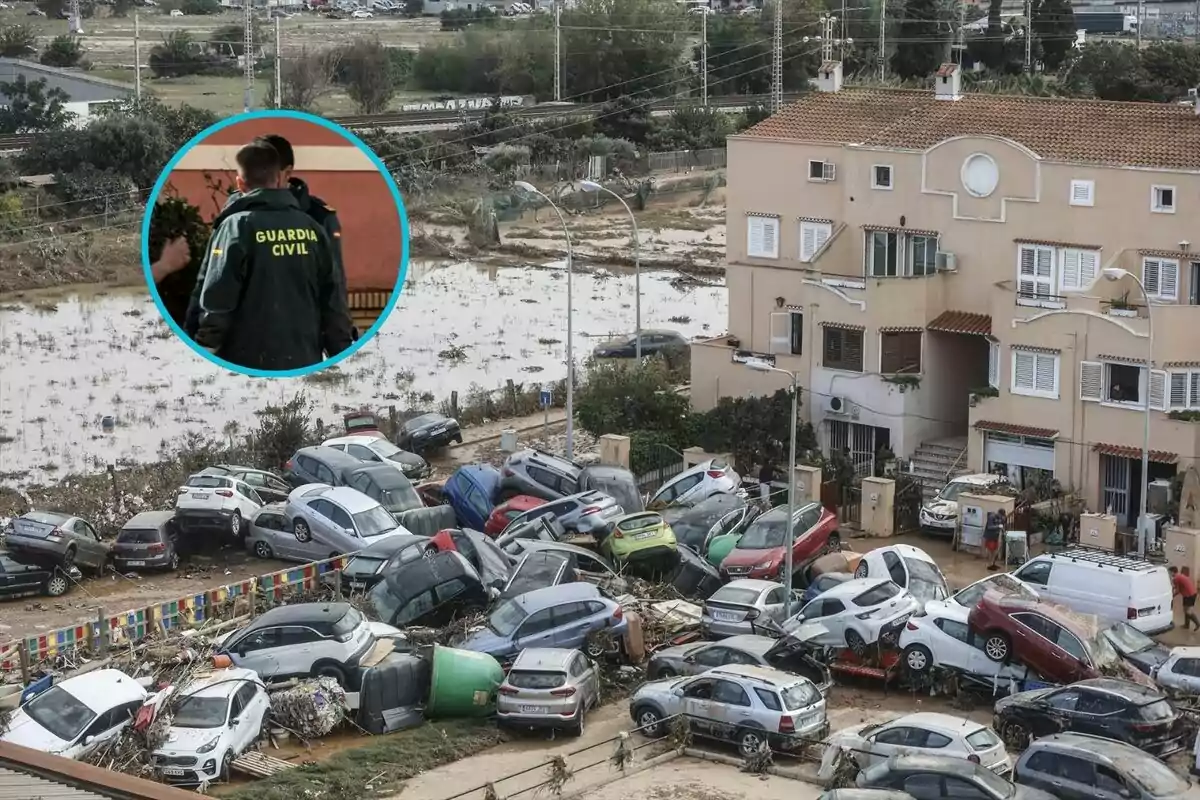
[[934, 461]]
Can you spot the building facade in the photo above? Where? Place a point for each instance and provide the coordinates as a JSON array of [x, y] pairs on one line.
[[84, 92], [940, 270]]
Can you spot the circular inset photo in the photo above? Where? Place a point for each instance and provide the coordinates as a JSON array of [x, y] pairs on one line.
[[275, 243]]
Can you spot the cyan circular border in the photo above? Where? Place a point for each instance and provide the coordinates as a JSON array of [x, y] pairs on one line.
[[199, 138]]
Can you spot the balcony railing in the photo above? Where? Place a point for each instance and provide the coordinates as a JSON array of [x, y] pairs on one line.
[[1040, 300]]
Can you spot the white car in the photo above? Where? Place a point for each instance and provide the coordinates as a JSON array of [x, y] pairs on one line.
[[217, 718], [909, 568], [940, 515], [940, 638], [855, 614], [78, 715], [217, 502], [698, 483], [361, 14], [925, 733], [377, 450], [1181, 671], [969, 596]]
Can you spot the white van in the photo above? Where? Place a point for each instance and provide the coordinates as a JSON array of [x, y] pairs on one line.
[[940, 515], [1114, 588]]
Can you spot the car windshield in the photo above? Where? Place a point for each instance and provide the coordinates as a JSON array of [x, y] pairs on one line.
[[736, 594], [207, 482], [1129, 639], [1155, 777], [624, 492], [201, 712], [983, 739], [374, 521], [363, 565], [420, 422], [348, 623], [767, 532], [951, 491], [137, 536], [800, 695], [877, 594], [506, 618], [59, 712], [386, 604]]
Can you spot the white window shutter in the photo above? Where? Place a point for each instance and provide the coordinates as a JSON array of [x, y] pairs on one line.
[[1045, 270], [994, 365], [1027, 270], [781, 332], [1089, 268], [821, 236], [1082, 193], [1150, 273], [1168, 278], [1046, 373], [829, 171], [1023, 370], [1158, 390], [1194, 389], [1091, 381], [1178, 396], [754, 236], [1071, 270], [808, 241]]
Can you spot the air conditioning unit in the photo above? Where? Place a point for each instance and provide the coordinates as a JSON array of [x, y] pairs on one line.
[[828, 171], [837, 405], [1158, 497], [946, 262]]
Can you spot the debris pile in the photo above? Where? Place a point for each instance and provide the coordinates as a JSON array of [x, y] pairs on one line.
[[311, 709]]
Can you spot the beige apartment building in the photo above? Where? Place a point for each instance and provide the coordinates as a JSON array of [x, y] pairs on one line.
[[937, 269]]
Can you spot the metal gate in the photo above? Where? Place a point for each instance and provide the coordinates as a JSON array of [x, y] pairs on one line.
[[1114, 471], [850, 512], [858, 441], [906, 507], [654, 465]]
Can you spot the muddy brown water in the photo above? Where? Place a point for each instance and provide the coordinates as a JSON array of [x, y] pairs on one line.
[[72, 360]]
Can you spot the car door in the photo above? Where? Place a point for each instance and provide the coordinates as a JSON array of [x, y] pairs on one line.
[[248, 500], [1097, 713], [807, 541], [257, 651], [586, 677], [244, 717], [536, 631], [708, 658], [891, 741], [1067, 777], [698, 706], [1058, 712], [1038, 655], [90, 551], [773, 603], [325, 529], [300, 647], [1037, 575], [725, 525], [731, 709], [1110, 785], [364, 454], [104, 729], [572, 622], [895, 568], [1070, 651], [16, 578]]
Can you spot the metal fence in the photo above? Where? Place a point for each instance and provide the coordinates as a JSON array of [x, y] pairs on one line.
[[657, 465], [687, 160]]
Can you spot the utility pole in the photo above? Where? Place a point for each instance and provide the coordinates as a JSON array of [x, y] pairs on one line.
[[1140, 11], [137, 56], [558, 51], [777, 60], [961, 40], [827, 40], [703, 62], [1028, 36], [278, 68], [882, 55], [842, 42], [248, 52], [75, 24]]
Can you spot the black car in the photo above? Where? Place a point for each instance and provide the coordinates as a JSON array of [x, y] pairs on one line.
[[367, 567], [1120, 710], [321, 465], [1078, 767], [427, 432], [493, 565], [695, 578], [943, 778], [653, 343], [1136, 648], [20, 580], [616, 482], [718, 515], [429, 591], [537, 570]]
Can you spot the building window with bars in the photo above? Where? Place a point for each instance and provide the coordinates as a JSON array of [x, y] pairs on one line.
[[900, 352], [843, 349]]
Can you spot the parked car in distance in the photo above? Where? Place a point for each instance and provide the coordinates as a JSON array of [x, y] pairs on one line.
[[270, 487], [366, 568], [925, 732], [616, 482], [653, 343], [1034, 634], [216, 503], [943, 778], [510, 510], [762, 550], [857, 613], [642, 537], [587, 513], [216, 719], [942, 638], [1073, 766], [77, 715], [148, 541], [558, 616], [320, 465], [548, 688], [471, 491], [52, 539], [429, 591], [1119, 710], [1140, 651], [539, 474], [739, 606], [337, 519], [697, 483], [302, 640], [909, 568], [377, 450], [19, 580], [939, 517], [747, 705], [427, 432], [719, 515]]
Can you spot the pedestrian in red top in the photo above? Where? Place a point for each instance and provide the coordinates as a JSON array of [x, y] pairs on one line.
[[1183, 585]]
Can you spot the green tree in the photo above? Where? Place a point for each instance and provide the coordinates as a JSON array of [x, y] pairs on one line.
[[136, 148], [201, 8], [179, 54], [17, 41], [1110, 71], [366, 75], [622, 47], [230, 40], [920, 47], [63, 51], [624, 118], [754, 429], [33, 108], [621, 398], [996, 48], [179, 124], [1054, 27], [414, 8], [1171, 69], [691, 127], [91, 191]]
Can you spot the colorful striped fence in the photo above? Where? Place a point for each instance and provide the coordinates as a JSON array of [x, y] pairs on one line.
[[184, 612]]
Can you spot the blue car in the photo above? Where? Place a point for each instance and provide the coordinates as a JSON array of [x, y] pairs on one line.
[[562, 616], [472, 492], [824, 583]]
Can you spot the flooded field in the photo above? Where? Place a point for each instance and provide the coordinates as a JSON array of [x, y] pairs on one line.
[[70, 362]]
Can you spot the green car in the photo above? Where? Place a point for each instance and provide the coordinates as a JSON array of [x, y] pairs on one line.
[[721, 546], [639, 537]]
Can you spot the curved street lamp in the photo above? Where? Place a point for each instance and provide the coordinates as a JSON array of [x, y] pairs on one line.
[[592, 186]]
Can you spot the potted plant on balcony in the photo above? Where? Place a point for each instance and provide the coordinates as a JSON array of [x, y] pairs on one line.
[[1121, 307], [982, 392]]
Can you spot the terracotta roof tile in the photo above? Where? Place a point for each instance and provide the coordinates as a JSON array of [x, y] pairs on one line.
[[1016, 430], [962, 322], [1162, 135], [1123, 451]]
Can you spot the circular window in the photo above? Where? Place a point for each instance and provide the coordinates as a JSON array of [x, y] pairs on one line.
[[980, 175]]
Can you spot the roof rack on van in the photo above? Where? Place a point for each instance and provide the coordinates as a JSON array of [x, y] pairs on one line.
[[1103, 558]]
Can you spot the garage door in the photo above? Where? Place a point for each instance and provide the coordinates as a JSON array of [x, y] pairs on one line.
[[1019, 451]]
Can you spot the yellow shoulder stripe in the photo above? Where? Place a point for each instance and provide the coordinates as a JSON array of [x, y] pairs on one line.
[[217, 251]]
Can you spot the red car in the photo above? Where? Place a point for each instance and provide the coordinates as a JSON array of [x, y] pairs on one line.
[[760, 552], [509, 510], [1014, 628]]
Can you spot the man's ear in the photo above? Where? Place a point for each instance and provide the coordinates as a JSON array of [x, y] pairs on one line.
[[241, 184]]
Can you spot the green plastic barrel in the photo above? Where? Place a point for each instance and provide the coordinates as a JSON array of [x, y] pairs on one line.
[[463, 683], [721, 546]]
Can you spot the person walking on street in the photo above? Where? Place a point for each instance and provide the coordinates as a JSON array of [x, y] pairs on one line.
[[765, 476], [1183, 585], [270, 298], [993, 530]]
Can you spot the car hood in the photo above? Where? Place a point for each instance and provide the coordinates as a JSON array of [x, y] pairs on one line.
[[741, 557], [1021, 699], [24, 731], [942, 507], [1149, 659], [185, 741], [408, 461], [485, 640], [662, 685], [678, 652]]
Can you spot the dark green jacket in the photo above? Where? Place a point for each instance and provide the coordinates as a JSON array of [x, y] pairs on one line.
[[271, 298], [315, 207]]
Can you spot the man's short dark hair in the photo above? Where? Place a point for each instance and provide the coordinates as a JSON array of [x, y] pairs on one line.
[[259, 164], [287, 156]]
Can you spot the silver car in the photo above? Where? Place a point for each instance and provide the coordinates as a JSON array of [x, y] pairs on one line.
[[694, 658], [748, 705], [584, 513], [337, 519], [700, 482], [740, 606], [270, 535], [549, 688]]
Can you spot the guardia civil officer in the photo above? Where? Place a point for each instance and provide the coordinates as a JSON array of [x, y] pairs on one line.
[[271, 298]]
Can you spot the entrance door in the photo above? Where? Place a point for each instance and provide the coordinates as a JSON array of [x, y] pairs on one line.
[[1114, 485]]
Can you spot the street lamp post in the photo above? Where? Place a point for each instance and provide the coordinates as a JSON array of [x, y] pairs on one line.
[[592, 186], [531, 189], [763, 366], [1116, 274]]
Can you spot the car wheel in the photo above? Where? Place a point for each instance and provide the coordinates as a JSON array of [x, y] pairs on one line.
[[173, 564], [855, 642], [331, 671], [918, 659], [430, 551], [458, 439], [861, 570], [1016, 736], [595, 649], [665, 673], [262, 549], [649, 722], [236, 524], [835, 542], [997, 647], [226, 766], [68, 559], [58, 584], [302, 531], [750, 741], [577, 728]]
